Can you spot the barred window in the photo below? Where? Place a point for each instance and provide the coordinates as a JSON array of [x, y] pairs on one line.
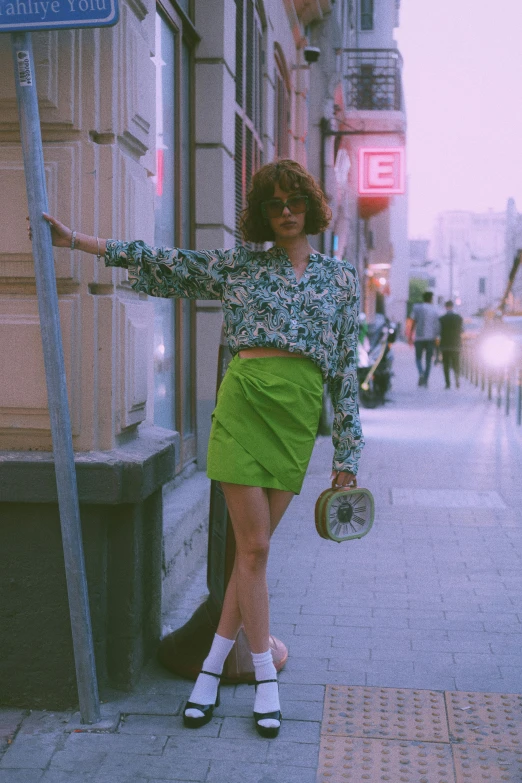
[[249, 82], [366, 14]]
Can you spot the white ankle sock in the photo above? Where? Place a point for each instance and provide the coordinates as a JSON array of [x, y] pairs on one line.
[[205, 689], [267, 695]]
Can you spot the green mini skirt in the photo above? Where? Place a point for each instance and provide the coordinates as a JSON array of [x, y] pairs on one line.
[[265, 422]]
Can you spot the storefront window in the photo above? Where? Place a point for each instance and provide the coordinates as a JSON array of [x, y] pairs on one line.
[[174, 358]]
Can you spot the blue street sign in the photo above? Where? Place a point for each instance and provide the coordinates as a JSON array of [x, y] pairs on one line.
[[33, 15]]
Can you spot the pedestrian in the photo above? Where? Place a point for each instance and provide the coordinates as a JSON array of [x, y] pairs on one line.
[[291, 322], [450, 343], [423, 329]]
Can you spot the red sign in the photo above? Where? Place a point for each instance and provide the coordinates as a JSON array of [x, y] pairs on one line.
[[381, 171]]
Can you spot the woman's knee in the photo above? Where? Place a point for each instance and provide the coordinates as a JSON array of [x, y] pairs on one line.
[[253, 556]]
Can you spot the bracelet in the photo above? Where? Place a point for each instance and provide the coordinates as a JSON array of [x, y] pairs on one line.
[[73, 240], [98, 255]]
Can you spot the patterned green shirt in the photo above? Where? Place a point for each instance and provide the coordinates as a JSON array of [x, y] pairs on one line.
[[265, 306]]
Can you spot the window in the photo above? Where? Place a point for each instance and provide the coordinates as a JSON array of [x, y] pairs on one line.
[[174, 332], [249, 80], [366, 14], [281, 109]]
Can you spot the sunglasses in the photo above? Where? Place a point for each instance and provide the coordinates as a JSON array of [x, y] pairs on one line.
[[274, 207]]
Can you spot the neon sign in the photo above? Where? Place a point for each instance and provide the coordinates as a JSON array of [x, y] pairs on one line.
[[381, 171]]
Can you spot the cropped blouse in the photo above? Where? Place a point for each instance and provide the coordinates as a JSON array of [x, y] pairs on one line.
[[264, 305]]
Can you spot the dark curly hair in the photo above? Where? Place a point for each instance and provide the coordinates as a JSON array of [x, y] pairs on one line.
[[291, 177]]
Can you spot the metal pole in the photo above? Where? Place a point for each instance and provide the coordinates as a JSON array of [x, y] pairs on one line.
[[508, 391], [31, 137], [519, 397]]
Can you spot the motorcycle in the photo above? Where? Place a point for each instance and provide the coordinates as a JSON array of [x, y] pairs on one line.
[[375, 360]]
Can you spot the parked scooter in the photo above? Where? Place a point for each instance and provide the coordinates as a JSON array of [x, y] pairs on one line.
[[375, 359]]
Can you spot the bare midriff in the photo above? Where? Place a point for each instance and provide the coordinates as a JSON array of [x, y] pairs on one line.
[[256, 353]]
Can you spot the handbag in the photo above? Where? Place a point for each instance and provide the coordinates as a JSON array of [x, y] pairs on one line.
[[344, 513]]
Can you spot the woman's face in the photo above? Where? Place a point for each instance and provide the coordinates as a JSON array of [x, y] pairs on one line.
[[288, 225]]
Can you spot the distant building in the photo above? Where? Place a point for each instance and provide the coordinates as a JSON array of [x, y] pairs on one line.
[[470, 249], [356, 101], [421, 265]]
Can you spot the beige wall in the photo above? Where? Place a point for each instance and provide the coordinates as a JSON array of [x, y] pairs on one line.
[[97, 126], [96, 94]]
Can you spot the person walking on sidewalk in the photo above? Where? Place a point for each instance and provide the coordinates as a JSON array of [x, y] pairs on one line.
[[422, 331], [291, 322], [450, 343]]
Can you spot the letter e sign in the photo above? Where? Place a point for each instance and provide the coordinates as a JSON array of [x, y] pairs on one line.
[[381, 171]]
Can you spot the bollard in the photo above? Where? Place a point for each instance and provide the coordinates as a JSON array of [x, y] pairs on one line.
[[483, 380], [508, 392], [519, 396], [490, 386], [499, 390]]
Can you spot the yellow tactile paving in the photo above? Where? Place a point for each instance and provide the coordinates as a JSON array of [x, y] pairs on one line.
[[391, 713], [374, 735], [490, 719], [494, 765], [357, 760]]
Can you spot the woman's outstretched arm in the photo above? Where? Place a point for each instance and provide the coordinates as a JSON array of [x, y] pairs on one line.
[[157, 271], [62, 236]]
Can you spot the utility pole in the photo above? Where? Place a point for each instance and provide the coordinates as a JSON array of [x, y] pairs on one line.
[[451, 272]]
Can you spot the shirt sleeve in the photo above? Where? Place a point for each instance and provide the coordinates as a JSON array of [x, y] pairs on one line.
[[347, 435], [171, 272]]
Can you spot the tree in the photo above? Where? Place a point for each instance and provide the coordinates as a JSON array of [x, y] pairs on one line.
[[418, 286]]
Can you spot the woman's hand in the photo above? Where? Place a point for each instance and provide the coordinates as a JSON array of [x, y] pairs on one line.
[[342, 479], [60, 234]]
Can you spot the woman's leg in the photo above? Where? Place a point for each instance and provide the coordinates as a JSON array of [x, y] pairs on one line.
[[205, 689], [231, 621]]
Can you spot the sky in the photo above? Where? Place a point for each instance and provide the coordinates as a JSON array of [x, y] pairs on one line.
[[463, 88]]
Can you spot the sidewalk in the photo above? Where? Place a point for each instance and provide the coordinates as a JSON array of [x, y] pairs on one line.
[[405, 630]]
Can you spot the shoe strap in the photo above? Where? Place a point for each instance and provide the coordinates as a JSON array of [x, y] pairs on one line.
[[260, 682], [268, 716], [211, 674]]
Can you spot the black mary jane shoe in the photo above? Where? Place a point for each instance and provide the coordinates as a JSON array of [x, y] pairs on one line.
[[269, 732], [206, 709]]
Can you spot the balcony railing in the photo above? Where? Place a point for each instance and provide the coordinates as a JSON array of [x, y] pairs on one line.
[[373, 79]]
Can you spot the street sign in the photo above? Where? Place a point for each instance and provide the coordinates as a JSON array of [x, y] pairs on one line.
[[381, 171], [34, 15]]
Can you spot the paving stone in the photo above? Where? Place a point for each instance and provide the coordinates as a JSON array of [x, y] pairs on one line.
[[30, 751], [190, 745], [143, 744], [354, 759], [164, 725], [291, 730], [10, 720], [44, 722], [302, 692], [164, 767], [389, 713], [65, 776], [297, 754], [77, 760], [230, 772], [489, 719], [474, 765], [21, 775]]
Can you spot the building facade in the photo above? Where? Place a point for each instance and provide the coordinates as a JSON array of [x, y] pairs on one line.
[[356, 102], [473, 258], [152, 130]]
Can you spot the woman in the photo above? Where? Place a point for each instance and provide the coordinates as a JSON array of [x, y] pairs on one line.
[[291, 323]]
